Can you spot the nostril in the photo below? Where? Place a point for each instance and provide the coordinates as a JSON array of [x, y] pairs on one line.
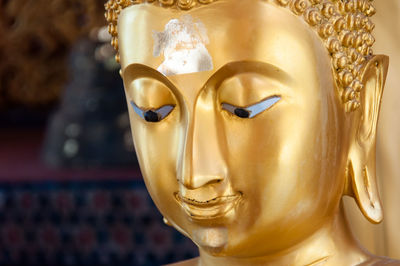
[[209, 180], [201, 181], [214, 181]]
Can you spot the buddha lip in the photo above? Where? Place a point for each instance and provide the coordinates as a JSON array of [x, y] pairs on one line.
[[209, 209]]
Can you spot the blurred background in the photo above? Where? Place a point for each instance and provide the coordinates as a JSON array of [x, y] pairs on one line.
[[71, 192]]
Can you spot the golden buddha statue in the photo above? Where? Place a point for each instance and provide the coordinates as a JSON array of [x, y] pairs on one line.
[[252, 119]]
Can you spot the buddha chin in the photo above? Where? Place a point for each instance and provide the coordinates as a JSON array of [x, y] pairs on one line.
[[211, 239]]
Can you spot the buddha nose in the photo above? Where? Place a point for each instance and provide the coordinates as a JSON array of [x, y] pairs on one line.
[[203, 161]]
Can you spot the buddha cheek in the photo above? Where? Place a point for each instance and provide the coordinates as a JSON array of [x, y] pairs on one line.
[[274, 158], [155, 147]]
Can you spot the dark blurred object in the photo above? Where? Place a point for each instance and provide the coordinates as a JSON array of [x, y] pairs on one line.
[[80, 216], [20, 161], [85, 223], [91, 127], [23, 118], [35, 38]]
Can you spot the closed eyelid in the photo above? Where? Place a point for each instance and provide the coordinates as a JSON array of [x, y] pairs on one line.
[[253, 109], [232, 69], [162, 112]]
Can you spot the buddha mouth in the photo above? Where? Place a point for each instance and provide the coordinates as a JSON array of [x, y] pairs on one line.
[[209, 209]]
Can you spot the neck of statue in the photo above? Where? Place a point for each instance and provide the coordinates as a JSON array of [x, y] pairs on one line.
[[333, 244]]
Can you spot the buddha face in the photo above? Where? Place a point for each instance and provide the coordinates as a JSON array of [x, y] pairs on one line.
[[236, 122]]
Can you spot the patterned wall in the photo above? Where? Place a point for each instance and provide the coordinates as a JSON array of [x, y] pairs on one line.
[[85, 223]]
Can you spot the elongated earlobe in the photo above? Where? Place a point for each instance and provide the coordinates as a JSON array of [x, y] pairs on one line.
[[365, 191], [361, 169]]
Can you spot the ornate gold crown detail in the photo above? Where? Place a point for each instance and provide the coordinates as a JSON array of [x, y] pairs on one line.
[[343, 25]]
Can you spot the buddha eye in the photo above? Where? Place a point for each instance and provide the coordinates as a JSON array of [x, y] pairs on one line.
[[153, 115], [251, 110]]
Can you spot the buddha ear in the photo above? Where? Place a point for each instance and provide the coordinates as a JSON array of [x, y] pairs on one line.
[[361, 170]]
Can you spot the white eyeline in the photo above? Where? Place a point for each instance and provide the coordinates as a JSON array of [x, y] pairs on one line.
[[257, 108], [254, 109], [183, 44], [162, 112]]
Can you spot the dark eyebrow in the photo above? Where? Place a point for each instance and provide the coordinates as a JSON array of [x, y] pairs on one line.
[[239, 67]]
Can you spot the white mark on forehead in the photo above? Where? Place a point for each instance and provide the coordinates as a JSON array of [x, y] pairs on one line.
[[183, 44]]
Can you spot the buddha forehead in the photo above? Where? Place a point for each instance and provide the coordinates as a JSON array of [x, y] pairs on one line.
[[265, 32], [344, 27]]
